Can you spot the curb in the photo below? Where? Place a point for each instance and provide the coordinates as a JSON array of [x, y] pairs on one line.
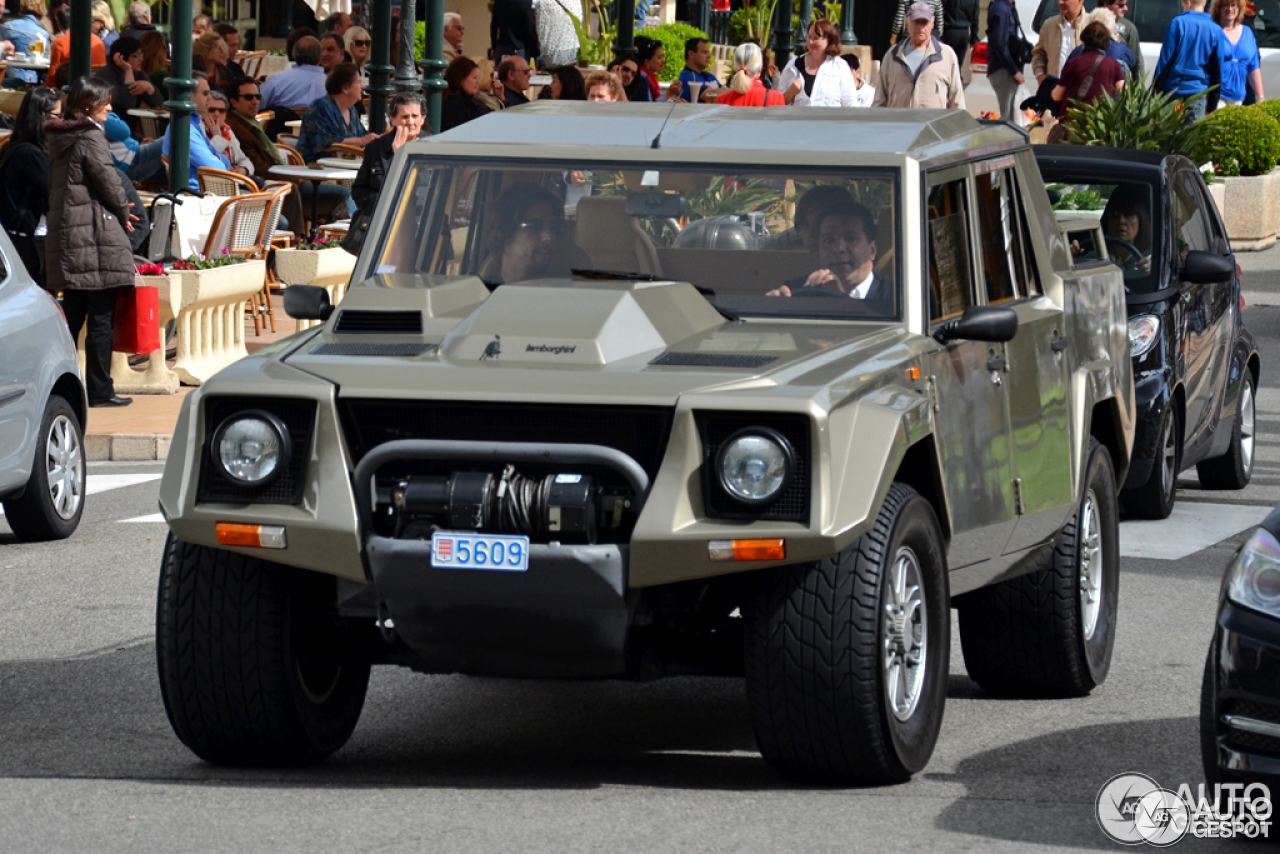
[[126, 447]]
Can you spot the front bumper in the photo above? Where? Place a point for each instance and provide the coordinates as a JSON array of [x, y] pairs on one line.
[[566, 616], [1245, 703]]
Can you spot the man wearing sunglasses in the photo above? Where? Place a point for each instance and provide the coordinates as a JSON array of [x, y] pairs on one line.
[[454, 33], [245, 97], [514, 74], [1128, 32]]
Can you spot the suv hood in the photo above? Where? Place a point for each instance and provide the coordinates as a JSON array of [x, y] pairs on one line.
[[635, 342]]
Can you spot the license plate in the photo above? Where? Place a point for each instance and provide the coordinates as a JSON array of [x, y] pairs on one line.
[[479, 551]]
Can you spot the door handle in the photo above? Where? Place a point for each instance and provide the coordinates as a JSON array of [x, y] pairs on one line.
[[997, 363], [1057, 345]]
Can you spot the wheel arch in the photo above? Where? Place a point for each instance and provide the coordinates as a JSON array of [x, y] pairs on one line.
[[1106, 426], [920, 469], [70, 389]]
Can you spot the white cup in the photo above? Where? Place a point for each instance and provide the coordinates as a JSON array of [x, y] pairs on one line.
[[695, 88]]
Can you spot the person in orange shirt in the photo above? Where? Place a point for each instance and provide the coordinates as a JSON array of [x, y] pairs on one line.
[[60, 52]]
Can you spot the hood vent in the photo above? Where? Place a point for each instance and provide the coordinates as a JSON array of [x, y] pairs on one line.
[[370, 348], [712, 360], [351, 322]]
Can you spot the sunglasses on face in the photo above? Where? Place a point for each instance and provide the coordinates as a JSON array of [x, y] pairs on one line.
[[212, 110], [542, 226], [256, 96], [362, 43]]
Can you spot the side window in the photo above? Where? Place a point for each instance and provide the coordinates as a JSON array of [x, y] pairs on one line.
[[1004, 258], [950, 277], [1190, 221]]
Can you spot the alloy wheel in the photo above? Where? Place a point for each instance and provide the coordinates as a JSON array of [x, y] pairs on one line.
[[1247, 415], [1090, 566], [64, 459], [904, 632]]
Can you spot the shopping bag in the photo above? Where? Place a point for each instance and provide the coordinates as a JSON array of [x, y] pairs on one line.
[[137, 326]]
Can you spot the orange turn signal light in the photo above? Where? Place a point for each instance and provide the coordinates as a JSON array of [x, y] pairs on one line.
[[763, 549], [252, 536], [913, 373]]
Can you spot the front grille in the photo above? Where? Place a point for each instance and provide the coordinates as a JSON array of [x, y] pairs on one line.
[[299, 416], [717, 427], [1249, 709], [351, 322], [1251, 742], [638, 431]]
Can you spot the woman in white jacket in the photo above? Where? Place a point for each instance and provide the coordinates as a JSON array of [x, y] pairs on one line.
[[819, 78]]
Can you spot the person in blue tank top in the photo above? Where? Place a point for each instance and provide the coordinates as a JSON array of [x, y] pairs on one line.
[[1241, 61]]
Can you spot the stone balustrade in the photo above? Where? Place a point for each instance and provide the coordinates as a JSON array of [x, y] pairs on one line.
[[330, 269], [211, 317]]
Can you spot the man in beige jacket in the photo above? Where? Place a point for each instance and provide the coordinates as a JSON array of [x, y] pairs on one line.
[[920, 72], [1059, 36]]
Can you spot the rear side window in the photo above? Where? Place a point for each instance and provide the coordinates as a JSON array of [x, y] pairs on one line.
[[1000, 223], [950, 271]]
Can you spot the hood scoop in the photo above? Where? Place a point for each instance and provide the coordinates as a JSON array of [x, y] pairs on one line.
[[575, 322], [362, 322], [712, 360]]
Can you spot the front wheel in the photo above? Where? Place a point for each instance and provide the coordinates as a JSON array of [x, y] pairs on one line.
[[1051, 632], [255, 668], [53, 502], [1234, 469], [1155, 498], [847, 658]]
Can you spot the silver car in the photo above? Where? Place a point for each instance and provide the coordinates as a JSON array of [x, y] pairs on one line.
[[42, 409]]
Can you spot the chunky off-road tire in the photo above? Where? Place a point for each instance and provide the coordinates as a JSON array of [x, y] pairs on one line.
[[53, 502], [1155, 498], [1051, 632], [1234, 469], [817, 642], [251, 660]]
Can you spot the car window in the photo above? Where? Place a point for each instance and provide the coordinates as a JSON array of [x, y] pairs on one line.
[[1152, 17], [950, 271], [757, 241], [1190, 218], [1130, 221], [1265, 23], [1001, 226]]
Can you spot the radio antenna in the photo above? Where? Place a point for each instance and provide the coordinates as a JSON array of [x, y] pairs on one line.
[[656, 139]]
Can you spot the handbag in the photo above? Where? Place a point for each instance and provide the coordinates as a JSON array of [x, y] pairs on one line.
[[137, 321], [1019, 48], [353, 241]]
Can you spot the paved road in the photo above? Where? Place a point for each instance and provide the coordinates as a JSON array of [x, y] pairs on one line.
[[88, 762]]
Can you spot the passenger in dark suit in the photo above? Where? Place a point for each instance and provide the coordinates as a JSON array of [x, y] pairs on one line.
[[846, 249]]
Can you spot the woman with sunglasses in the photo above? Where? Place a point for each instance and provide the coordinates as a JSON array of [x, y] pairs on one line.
[[360, 46]]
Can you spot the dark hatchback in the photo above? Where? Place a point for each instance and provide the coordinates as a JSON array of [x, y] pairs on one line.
[[1195, 366], [1240, 698]]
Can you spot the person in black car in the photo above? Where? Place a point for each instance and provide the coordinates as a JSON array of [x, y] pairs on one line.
[[1127, 222]]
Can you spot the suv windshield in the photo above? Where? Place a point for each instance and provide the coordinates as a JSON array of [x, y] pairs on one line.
[[756, 242]]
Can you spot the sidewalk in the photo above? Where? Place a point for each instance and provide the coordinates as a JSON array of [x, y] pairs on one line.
[[142, 430]]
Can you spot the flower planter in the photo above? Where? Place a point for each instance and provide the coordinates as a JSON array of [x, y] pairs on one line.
[[211, 317], [1250, 210], [325, 268]]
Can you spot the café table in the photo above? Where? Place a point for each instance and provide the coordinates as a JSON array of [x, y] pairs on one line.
[[351, 164], [30, 63], [316, 176]]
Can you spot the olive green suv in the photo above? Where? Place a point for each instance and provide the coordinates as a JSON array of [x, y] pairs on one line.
[[624, 391]]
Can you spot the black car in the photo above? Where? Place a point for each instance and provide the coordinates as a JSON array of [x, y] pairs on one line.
[[1240, 698], [1195, 366]]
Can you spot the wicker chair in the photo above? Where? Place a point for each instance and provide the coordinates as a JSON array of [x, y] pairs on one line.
[[265, 116], [151, 127], [289, 139], [220, 182], [260, 304], [346, 152], [240, 225], [291, 154]]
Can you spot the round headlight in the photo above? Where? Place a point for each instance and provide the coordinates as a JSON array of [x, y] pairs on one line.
[[1144, 331], [755, 465], [251, 448]]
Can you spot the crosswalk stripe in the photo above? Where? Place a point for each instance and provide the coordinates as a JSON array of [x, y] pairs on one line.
[[153, 517], [96, 484], [1191, 527]]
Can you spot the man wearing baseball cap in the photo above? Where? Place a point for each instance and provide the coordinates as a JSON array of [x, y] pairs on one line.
[[920, 72]]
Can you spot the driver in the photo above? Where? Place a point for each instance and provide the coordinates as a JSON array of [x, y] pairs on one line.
[[526, 236], [1127, 218], [846, 247]]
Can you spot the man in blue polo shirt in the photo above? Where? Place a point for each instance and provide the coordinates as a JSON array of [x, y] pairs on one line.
[[1191, 58], [697, 59]]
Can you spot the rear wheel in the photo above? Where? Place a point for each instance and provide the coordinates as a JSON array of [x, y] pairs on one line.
[[1235, 468], [255, 668], [847, 658], [53, 502], [1051, 632], [1155, 498]]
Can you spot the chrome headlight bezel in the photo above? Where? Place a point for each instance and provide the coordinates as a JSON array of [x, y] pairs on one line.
[[1253, 579], [789, 466], [1144, 333], [283, 441]]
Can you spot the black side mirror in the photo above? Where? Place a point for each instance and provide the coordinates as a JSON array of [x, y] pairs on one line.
[[1205, 268], [307, 302], [978, 323]]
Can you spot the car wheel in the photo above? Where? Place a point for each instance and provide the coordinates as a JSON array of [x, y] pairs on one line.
[[1234, 469], [847, 658], [1155, 498], [1051, 632], [53, 502], [250, 659]]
